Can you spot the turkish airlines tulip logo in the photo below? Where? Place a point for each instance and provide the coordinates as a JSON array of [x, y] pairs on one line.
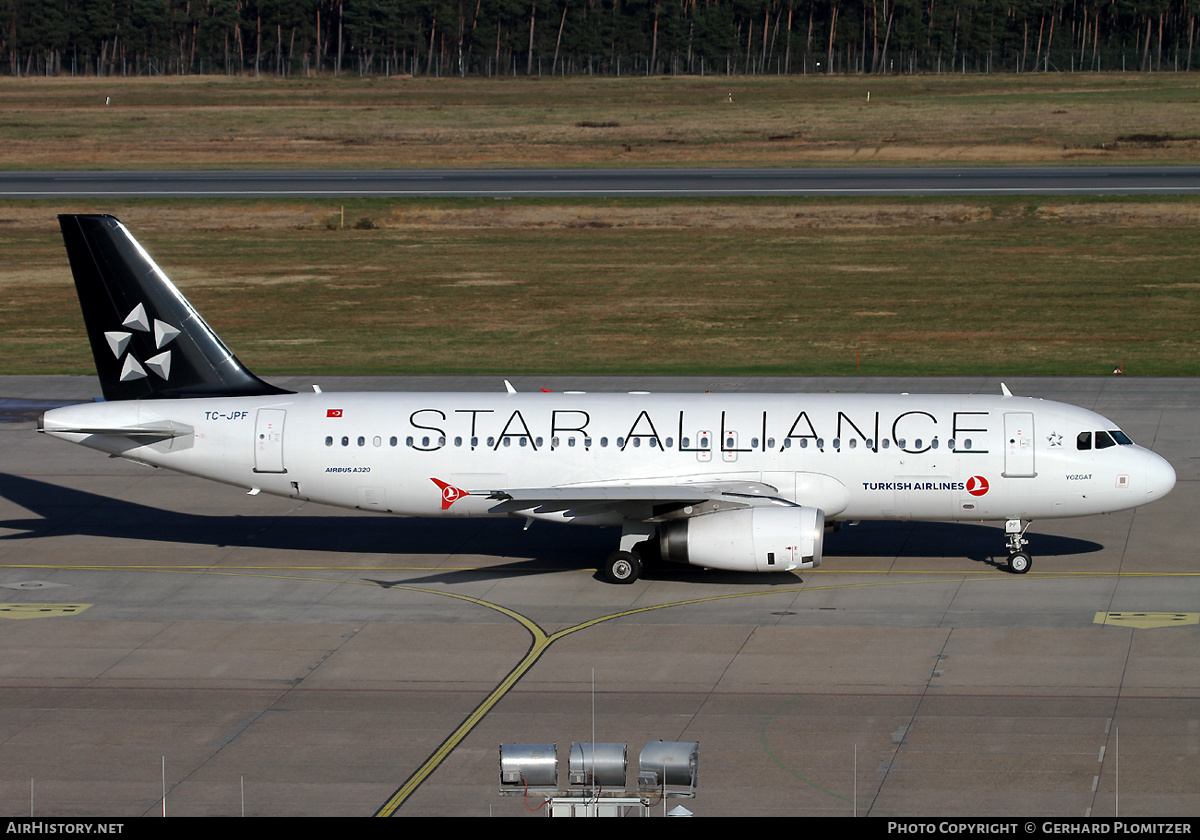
[[450, 493], [977, 485]]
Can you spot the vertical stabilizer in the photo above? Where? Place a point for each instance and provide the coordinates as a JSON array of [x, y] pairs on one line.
[[147, 340]]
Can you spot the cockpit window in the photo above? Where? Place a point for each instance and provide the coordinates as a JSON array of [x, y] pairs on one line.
[[1084, 441], [1121, 438], [1104, 440]]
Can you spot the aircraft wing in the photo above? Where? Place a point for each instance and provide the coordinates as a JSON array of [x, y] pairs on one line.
[[640, 501]]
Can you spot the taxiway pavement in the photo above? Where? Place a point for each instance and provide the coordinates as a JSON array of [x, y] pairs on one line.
[[781, 181], [315, 659]]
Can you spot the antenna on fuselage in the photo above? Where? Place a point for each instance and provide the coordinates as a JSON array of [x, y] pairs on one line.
[[1004, 390]]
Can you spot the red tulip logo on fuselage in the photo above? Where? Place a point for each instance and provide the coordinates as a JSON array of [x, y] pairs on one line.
[[450, 493], [977, 485]]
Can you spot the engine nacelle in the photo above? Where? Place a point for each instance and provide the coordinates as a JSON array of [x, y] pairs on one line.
[[757, 539]]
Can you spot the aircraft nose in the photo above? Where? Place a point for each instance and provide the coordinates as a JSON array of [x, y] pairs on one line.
[[1160, 476]]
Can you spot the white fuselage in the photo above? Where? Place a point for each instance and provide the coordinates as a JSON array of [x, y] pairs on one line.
[[968, 457]]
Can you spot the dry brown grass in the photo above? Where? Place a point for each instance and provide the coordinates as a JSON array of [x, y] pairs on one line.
[[770, 121], [1004, 286], [438, 217]]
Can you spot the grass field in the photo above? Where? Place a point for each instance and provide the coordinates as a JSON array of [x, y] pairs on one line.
[[1008, 286], [57, 123], [1005, 286]]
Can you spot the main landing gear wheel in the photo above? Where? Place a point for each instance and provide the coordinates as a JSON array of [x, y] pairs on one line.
[[622, 567], [1019, 562]]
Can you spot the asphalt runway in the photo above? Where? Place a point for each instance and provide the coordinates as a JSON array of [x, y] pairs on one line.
[[314, 660], [846, 181]]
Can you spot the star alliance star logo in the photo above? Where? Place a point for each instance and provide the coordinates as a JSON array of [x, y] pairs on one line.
[[118, 342], [1055, 439]]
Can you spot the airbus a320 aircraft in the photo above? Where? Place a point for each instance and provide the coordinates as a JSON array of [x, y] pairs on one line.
[[728, 481]]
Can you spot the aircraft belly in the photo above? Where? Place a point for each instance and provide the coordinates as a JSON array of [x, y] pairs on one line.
[[926, 496]]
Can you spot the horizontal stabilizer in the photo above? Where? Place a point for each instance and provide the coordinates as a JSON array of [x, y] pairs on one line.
[[159, 430], [134, 432]]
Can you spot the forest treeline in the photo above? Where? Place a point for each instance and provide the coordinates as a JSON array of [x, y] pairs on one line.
[[574, 37]]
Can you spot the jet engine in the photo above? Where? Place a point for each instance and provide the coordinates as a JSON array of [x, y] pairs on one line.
[[757, 539]]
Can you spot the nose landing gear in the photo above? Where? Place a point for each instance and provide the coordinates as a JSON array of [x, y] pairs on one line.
[[1019, 560]]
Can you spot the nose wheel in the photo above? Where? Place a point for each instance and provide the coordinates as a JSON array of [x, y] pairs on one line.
[[1019, 560]]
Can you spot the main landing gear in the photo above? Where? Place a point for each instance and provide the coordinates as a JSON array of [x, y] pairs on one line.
[[625, 564], [1019, 560], [622, 567]]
